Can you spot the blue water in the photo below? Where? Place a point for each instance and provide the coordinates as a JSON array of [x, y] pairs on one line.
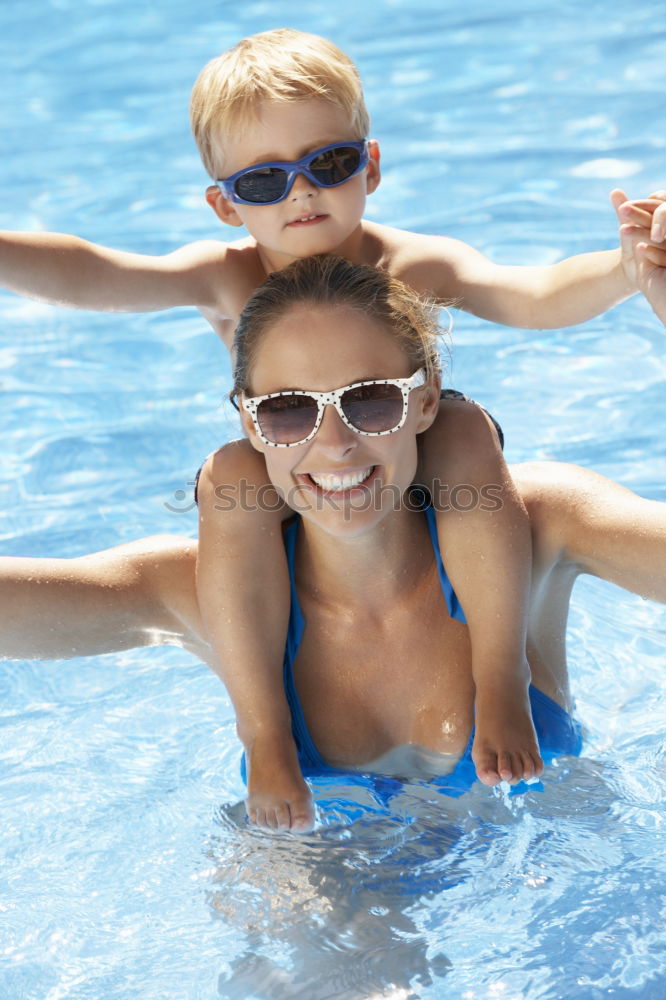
[[126, 870]]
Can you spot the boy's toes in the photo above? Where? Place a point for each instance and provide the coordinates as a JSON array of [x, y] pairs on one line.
[[270, 815], [280, 818], [492, 767], [302, 816], [280, 814], [527, 770], [487, 770], [507, 767], [522, 766], [532, 765], [257, 817]]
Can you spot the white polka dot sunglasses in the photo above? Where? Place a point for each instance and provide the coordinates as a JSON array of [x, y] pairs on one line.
[[292, 417]]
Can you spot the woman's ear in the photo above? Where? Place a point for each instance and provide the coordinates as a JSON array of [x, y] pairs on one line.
[[249, 429], [429, 403], [223, 208], [373, 173]]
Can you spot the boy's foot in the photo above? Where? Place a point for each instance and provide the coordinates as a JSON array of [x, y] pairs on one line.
[[505, 746], [278, 796]]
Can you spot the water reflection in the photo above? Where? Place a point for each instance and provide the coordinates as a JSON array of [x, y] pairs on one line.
[[328, 915], [397, 899]]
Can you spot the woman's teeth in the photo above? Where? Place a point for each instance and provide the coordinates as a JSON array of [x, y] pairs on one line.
[[336, 484]]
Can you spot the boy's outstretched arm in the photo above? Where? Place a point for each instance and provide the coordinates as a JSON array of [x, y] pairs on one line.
[[244, 596], [545, 297], [485, 541], [531, 297], [68, 271]]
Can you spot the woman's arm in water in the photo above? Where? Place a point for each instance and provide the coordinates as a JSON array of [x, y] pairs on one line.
[[590, 524], [138, 594], [484, 537]]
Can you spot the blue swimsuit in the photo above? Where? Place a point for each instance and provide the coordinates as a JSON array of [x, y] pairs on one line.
[[559, 734]]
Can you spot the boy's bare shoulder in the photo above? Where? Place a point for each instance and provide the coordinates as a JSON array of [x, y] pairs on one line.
[[430, 264], [219, 266], [223, 276]]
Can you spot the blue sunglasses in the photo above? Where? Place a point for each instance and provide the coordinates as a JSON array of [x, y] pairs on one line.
[[269, 183]]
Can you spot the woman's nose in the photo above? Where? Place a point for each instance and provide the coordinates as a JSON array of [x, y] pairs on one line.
[[333, 433]]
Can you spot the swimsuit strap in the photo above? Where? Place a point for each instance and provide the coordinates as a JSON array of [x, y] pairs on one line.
[[452, 602]]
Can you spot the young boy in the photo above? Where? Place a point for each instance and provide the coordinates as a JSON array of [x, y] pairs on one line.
[[282, 128]]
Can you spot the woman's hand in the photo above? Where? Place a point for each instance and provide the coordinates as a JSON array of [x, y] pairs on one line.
[[643, 243], [652, 255]]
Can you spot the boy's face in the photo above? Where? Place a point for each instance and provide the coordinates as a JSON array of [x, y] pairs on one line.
[[310, 219]]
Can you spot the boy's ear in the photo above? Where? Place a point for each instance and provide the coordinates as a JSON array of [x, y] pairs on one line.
[[373, 172], [223, 208], [429, 403]]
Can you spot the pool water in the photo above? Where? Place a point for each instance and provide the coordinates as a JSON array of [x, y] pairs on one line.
[[127, 871]]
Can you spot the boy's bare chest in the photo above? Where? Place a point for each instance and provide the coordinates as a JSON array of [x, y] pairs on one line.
[[367, 685]]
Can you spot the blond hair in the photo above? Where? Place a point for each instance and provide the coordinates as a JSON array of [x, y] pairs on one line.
[[281, 65], [328, 280]]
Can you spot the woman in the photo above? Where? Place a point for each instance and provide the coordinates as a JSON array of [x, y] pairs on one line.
[[363, 675]]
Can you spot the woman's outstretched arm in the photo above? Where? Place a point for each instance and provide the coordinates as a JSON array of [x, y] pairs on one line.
[[138, 594], [593, 525]]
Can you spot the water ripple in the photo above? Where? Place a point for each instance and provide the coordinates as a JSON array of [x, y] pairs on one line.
[[128, 870]]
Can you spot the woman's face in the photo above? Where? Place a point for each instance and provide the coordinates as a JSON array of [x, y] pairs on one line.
[[344, 481]]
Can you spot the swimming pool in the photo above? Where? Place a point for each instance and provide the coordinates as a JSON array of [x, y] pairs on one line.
[[127, 872]]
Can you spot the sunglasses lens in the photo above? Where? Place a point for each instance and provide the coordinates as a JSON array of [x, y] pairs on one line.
[[373, 408], [287, 419], [262, 186], [336, 165]]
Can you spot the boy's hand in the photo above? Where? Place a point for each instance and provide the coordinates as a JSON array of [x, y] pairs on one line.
[[641, 221], [643, 242]]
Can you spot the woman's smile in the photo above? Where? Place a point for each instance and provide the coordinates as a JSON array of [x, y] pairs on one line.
[[343, 482]]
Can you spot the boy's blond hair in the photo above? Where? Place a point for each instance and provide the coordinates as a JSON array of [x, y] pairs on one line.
[[281, 65]]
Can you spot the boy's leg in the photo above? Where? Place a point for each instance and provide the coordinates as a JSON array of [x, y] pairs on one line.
[[138, 594], [484, 538], [244, 595]]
